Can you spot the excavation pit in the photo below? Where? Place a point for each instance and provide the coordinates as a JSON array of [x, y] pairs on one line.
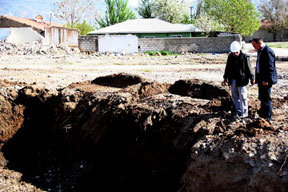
[[139, 138]]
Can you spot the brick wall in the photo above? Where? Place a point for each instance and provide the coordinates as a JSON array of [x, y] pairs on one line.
[[88, 43], [198, 44]]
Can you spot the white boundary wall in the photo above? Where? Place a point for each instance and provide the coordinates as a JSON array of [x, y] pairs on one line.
[[118, 43]]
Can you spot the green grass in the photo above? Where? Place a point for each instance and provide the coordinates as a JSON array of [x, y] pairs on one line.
[[278, 44], [164, 53]]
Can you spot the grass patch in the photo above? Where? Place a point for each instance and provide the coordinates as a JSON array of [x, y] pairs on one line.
[[278, 44], [158, 53]]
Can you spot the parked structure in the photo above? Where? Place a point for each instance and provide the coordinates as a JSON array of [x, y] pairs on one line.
[[150, 28], [27, 30]]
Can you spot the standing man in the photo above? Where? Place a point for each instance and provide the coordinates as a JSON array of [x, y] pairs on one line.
[[237, 74], [266, 76]]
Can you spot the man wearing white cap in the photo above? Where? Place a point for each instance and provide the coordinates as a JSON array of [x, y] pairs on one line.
[[237, 74]]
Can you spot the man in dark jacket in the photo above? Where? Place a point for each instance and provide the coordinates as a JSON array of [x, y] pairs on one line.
[[266, 76], [237, 74]]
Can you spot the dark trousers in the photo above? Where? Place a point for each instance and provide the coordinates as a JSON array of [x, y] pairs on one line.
[[264, 95]]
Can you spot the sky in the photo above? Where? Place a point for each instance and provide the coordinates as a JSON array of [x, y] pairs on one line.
[[32, 8]]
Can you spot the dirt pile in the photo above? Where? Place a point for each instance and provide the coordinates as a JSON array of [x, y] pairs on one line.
[[121, 80], [147, 136]]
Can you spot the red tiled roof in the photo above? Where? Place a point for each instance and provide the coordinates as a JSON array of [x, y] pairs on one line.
[[32, 22]]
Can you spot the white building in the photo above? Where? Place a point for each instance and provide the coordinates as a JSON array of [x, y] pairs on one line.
[[26, 30]]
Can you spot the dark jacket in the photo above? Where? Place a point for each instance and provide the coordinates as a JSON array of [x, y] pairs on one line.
[[267, 71], [238, 68]]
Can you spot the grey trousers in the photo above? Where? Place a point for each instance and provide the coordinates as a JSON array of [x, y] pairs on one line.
[[240, 99]]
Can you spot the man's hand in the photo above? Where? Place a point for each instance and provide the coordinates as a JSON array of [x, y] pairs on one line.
[[264, 83], [224, 82]]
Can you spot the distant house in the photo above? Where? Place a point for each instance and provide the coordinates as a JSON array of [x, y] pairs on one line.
[[26, 30], [150, 28], [142, 35]]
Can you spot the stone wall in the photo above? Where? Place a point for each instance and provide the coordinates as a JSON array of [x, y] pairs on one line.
[[268, 36], [197, 44], [178, 45], [88, 43]]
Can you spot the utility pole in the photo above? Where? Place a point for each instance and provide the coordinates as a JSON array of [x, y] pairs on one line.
[[191, 14], [50, 18]]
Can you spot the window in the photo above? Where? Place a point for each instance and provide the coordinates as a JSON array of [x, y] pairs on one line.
[[177, 36]]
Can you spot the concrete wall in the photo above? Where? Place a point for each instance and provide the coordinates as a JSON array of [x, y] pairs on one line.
[[57, 35], [118, 44], [23, 35], [88, 43], [198, 44]]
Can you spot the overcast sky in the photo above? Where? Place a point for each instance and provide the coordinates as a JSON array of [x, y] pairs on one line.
[[32, 8]]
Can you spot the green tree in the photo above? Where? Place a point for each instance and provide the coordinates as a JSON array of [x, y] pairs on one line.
[[172, 11], [186, 19], [84, 27], [117, 12], [238, 16], [207, 24], [276, 12], [145, 8]]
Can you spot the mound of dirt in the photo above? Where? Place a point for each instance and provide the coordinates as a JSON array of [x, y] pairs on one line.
[[219, 96], [120, 80], [198, 89], [147, 89], [87, 86]]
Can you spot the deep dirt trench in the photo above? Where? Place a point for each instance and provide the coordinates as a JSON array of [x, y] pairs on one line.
[[136, 135]]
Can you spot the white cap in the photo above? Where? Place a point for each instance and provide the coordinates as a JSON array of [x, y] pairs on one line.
[[235, 46]]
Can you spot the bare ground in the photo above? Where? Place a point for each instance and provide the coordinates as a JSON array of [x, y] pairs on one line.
[[60, 71]]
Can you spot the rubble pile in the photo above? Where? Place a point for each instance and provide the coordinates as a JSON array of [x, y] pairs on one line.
[[138, 135], [35, 48]]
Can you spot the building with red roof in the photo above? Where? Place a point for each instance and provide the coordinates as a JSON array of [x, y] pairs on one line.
[[26, 29]]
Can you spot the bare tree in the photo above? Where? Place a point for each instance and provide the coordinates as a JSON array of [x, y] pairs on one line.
[[276, 12], [72, 11]]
